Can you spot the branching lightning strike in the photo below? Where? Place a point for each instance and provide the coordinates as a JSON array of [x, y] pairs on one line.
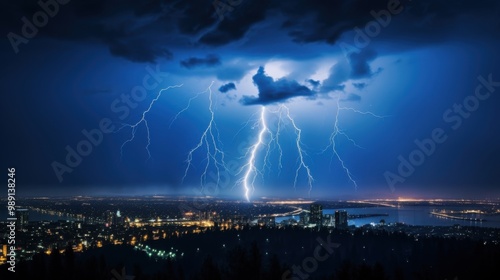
[[145, 121], [250, 168], [210, 139], [301, 152], [214, 153], [337, 131]]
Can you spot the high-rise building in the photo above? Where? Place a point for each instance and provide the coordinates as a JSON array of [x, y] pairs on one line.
[[119, 219], [340, 219], [22, 216], [329, 220], [316, 214], [109, 218], [303, 219]]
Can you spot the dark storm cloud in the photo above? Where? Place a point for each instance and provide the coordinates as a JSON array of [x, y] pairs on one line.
[[360, 67], [236, 23], [227, 87], [357, 66], [210, 60], [314, 83], [139, 51], [194, 16], [321, 21], [425, 20], [130, 29], [271, 91], [146, 31], [313, 21], [339, 74]]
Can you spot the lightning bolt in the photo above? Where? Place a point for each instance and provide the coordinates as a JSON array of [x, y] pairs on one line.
[[186, 108], [275, 140], [250, 168], [210, 139], [144, 121], [251, 171], [298, 142], [337, 131]]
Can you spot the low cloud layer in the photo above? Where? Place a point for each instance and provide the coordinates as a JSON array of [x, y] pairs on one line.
[[210, 60]]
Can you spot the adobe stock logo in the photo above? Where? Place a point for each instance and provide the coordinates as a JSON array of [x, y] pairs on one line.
[[310, 264], [93, 138], [122, 276], [454, 116], [381, 19], [222, 8]]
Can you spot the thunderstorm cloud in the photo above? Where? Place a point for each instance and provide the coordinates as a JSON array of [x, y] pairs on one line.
[[355, 67], [151, 31], [210, 60], [271, 91], [227, 87]]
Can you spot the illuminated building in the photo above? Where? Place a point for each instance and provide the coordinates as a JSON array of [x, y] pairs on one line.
[[316, 214], [22, 216], [119, 219], [340, 219], [303, 219], [109, 218]]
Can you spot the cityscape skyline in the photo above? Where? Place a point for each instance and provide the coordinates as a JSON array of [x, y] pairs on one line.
[[391, 104], [156, 218]]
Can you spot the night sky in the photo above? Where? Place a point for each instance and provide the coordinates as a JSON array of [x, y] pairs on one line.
[[410, 87]]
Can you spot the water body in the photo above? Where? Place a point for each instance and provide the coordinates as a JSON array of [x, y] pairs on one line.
[[36, 216], [414, 215]]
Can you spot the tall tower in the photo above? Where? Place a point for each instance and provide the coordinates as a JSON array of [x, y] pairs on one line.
[[340, 219], [109, 218], [22, 216], [316, 214], [119, 218]]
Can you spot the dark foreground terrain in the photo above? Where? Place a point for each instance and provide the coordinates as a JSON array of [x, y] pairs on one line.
[[264, 253]]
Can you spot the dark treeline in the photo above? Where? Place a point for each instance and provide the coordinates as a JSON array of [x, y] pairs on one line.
[[263, 253]]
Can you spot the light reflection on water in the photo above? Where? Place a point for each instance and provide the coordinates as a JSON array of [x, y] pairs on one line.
[[413, 215]]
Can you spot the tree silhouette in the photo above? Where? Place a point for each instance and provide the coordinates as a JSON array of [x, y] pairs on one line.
[[255, 262], [275, 271], [237, 264], [55, 266], [210, 271]]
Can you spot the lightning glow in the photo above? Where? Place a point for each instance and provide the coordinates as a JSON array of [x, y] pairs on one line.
[[250, 168], [185, 108], [210, 139], [337, 131], [144, 120], [298, 142], [268, 137]]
